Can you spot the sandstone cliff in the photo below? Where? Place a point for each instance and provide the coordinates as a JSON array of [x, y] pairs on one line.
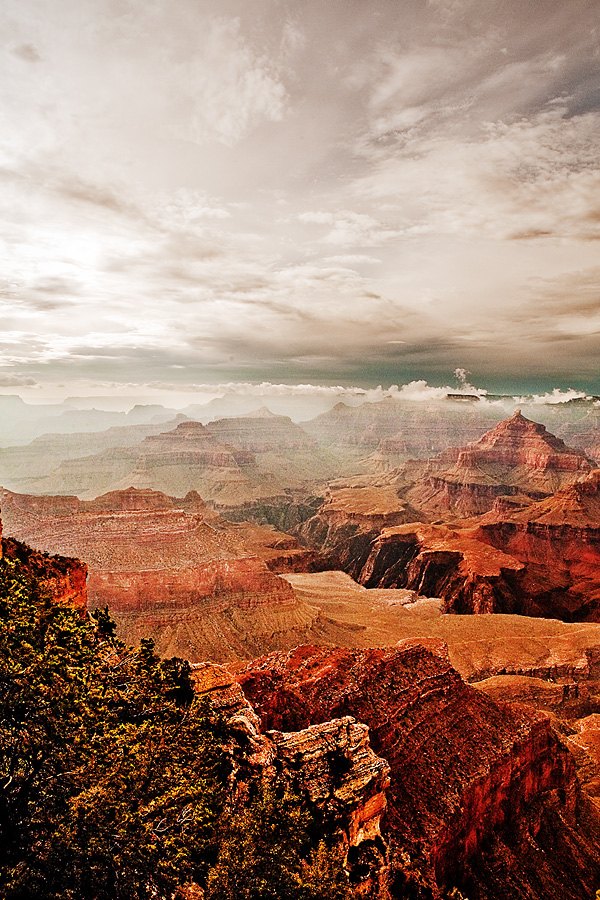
[[174, 570], [331, 764], [470, 779], [63, 578]]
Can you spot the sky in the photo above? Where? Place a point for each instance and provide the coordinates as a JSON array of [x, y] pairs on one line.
[[352, 192]]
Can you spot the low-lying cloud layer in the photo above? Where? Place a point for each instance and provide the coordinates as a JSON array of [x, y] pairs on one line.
[[334, 192]]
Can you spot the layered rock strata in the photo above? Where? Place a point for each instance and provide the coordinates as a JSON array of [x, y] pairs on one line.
[[517, 456], [330, 764], [174, 570], [469, 777], [350, 519]]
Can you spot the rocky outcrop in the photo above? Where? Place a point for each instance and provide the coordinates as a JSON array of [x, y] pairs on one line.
[[534, 558], [350, 519], [469, 777], [330, 764], [62, 578], [557, 541], [261, 432], [436, 561], [174, 570], [518, 456]]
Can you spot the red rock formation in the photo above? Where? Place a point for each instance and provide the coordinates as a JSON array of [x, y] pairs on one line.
[[63, 578], [557, 541], [350, 519], [517, 456], [331, 764], [174, 570], [436, 561], [468, 776], [539, 559]]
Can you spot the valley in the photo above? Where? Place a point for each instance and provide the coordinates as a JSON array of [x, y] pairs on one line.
[[449, 601]]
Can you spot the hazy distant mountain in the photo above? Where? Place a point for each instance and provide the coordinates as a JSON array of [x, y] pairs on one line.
[[229, 462], [298, 407], [21, 422]]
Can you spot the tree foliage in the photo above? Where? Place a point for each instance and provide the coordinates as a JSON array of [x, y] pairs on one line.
[[113, 777], [268, 852]]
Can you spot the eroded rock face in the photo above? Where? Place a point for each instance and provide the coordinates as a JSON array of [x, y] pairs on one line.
[[525, 550], [63, 578], [350, 519], [518, 456], [465, 771], [436, 561], [174, 570], [331, 764], [537, 558]]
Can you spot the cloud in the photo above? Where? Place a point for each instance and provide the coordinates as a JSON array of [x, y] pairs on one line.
[[351, 229], [16, 381], [231, 87], [438, 173], [27, 52], [556, 396]]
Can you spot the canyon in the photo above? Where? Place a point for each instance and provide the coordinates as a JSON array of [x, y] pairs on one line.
[[174, 570], [483, 796], [509, 524], [425, 669]]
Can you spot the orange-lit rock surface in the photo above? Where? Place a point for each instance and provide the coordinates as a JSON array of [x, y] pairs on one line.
[[536, 558], [518, 456], [331, 764], [479, 647], [63, 578], [469, 777], [437, 561], [533, 550], [351, 518], [173, 570]]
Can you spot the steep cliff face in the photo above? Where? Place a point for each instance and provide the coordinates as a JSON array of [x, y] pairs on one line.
[[469, 777], [539, 559], [331, 764], [436, 561], [557, 540], [174, 570], [350, 519], [531, 551]]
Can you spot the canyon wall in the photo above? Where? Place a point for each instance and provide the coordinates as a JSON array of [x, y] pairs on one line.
[[468, 776], [330, 764]]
